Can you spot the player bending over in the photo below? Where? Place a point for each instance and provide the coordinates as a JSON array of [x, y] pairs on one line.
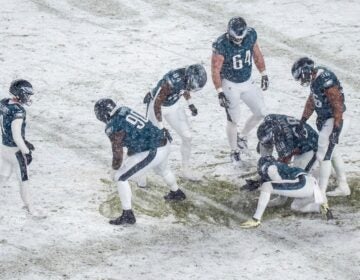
[[162, 102], [147, 146], [279, 178]]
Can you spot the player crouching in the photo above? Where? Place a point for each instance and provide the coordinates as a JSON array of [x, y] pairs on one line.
[[279, 178], [148, 148]]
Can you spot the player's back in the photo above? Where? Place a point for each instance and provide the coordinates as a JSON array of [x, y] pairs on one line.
[[140, 134], [176, 80]]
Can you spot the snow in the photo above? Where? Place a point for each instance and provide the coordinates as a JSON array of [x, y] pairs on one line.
[[75, 52]]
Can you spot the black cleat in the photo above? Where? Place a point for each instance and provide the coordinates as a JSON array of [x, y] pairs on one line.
[[175, 196], [127, 217]]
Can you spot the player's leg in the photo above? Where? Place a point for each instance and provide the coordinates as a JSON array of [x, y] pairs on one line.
[[232, 93], [19, 165], [5, 167], [161, 168], [175, 116], [264, 198], [324, 154], [343, 188], [254, 99], [133, 166], [305, 160]]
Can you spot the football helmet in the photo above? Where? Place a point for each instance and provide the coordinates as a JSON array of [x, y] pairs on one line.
[[103, 109], [265, 133], [22, 90], [302, 70], [237, 30], [195, 77]]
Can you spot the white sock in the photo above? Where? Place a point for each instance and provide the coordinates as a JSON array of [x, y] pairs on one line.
[[231, 131], [325, 172], [170, 180], [262, 204], [125, 194]]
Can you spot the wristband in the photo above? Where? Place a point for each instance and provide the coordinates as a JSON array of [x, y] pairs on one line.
[[263, 73], [219, 90], [160, 125]]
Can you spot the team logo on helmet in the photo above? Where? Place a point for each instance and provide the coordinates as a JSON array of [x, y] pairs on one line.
[[237, 30], [22, 90]]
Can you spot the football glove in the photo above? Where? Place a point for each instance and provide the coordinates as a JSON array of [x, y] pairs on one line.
[[167, 134], [147, 98], [223, 101], [264, 82], [335, 134], [29, 145], [193, 110], [28, 158], [251, 185]]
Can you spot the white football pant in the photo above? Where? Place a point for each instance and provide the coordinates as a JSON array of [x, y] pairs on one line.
[[328, 156], [307, 199], [9, 165], [137, 165], [176, 117], [251, 95]]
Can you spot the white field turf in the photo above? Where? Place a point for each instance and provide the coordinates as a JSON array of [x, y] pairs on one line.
[[75, 52]]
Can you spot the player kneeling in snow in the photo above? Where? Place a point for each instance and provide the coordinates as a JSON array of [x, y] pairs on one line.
[[15, 151], [279, 178], [147, 147]]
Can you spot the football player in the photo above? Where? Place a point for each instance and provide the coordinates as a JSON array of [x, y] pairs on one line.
[[147, 146], [279, 131], [327, 100], [278, 178], [16, 151], [231, 64], [162, 103]]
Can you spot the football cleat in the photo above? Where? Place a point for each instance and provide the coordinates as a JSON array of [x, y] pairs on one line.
[[326, 212], [253, 223], [340, 191], [127, 217], [235, 157], [175, 196]]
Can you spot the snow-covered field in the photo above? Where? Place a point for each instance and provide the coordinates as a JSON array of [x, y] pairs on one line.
[[77, 51]]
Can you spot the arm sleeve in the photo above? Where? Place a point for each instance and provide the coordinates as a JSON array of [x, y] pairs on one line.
[[16, 132]]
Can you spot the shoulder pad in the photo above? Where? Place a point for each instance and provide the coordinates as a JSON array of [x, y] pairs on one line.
[[123, 111], [217, 45], [252, 33], [19, 112], [328, 78]]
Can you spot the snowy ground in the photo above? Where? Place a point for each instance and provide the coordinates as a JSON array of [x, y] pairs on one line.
[[75, 52]]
